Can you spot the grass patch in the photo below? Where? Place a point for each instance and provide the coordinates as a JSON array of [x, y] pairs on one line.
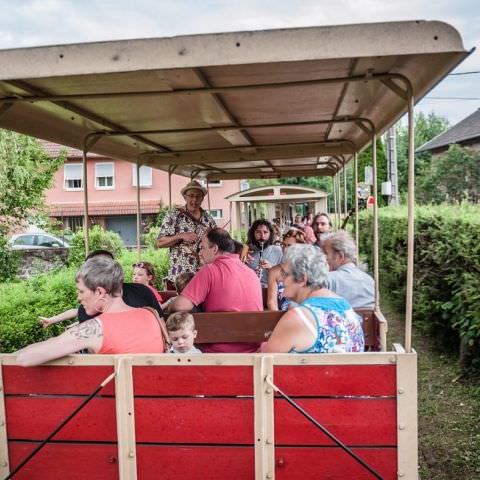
[[448, 408]]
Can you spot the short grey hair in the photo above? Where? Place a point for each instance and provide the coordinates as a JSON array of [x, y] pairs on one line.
[[104, 272], [307, 260], [341, 241]]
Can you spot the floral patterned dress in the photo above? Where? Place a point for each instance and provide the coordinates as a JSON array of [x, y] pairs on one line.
[[338, 327], [184, 256]]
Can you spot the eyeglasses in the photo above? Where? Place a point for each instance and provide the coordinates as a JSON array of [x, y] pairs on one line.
[[139, 265], [284, 274]]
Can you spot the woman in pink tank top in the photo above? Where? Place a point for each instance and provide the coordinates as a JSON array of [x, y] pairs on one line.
[[117, 329]]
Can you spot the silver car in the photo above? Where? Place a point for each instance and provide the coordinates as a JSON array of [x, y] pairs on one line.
[[24, 241]]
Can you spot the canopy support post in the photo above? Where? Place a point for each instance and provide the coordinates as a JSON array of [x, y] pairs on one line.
[[88, 142], [376, 275], [411, 222], [345, 197], [355, 189], [139, 213]]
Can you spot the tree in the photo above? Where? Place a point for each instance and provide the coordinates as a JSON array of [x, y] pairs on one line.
[[26, 171], [426, 128], [453, 177]]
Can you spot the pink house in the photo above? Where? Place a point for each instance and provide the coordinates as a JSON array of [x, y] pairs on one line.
[[112, 193]]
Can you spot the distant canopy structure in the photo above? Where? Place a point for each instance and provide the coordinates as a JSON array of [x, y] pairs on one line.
[[275, 201]]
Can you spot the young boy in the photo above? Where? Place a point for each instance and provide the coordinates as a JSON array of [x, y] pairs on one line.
[[182, 333]]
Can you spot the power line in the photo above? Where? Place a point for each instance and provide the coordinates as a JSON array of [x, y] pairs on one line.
[[452, 98], [473, 72]]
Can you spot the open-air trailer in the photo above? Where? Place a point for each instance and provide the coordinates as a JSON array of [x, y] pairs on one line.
[[266, 104]]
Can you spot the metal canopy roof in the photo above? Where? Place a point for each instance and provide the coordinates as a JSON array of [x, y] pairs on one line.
[[292, 102]]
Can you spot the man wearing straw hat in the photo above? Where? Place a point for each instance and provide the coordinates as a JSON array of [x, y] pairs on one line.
[[182, 231]]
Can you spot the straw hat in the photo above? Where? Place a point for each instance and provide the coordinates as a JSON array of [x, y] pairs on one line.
[[193, 185]]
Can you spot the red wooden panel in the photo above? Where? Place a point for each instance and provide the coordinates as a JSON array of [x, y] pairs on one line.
[[353, 421], [193, 380], [156, 462], [194, 420], [56, 380], [335, 380], [65, 461], [333, 463], [34, 418]]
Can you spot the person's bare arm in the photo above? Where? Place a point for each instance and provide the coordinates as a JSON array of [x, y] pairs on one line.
[[88, 335], [67, 315], [171, 240], [284, 335], [181, 304], [272, 293]]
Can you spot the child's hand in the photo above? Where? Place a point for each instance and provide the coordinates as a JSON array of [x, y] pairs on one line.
[[45, 321]]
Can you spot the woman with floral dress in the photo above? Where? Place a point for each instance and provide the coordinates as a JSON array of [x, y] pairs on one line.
[[323, 322]]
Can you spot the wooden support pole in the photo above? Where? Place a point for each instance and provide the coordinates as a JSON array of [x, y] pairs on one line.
[[4, 465], [410, 224], [355, 186], [407, 425], [127, 454], [264, 419], [139, 214], [376, 274], [86, 235]]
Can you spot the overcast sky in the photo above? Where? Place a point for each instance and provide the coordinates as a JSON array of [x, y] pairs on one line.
[[46, 22]]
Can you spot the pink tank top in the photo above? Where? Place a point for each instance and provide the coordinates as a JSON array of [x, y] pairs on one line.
[[132, 331]]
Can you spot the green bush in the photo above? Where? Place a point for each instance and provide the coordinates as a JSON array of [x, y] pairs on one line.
[[158, 258], [447, 269], [150, 238], [21, 303], [8, 261], [99, 239]]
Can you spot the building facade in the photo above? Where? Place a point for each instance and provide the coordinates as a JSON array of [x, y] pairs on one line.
[[112, 193]]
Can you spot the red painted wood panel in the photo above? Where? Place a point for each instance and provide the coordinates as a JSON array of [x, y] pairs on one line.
[[65, 461], [195, 463], [353, 421], [193, 380], [336, 380], [167, 420], [192, 420], [56, 380], [333, 463], [34, 418]]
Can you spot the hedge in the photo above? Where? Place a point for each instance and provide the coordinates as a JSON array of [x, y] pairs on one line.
[[447, 269], [22, 302]]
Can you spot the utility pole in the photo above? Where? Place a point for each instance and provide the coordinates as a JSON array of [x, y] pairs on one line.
[[392, 174]]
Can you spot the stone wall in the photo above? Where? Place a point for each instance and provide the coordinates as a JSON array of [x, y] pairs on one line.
[[40, 260]]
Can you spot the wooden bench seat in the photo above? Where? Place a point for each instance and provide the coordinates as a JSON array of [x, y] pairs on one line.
[[227, 327]]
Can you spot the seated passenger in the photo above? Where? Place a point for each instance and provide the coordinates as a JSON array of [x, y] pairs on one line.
[[345, 278], [321, 225], [223, 284], [275, 297], [181, 281], [144, 274], [323, 322], [115, 328], [133, 294], [182, 333], [263, 254]]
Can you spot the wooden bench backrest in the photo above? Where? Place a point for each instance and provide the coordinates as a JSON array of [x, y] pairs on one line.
[[255, 326]]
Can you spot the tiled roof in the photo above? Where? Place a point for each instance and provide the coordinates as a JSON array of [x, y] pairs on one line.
[[104, 208], [54, 149], [466, 129]]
